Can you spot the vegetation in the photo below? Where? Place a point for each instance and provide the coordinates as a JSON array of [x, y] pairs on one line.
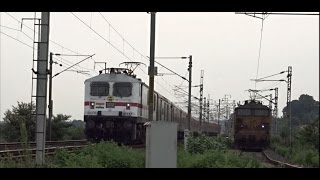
[[202, 151], [305, 146], [305, 132], [303, 111], [19, 121], [110, 155], [105, 154], [200, 144], [212, 152], [13, 120], [216, 159]]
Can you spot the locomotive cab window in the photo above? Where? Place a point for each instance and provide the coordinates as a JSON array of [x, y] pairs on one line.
[[99, 89], [261, 112], [244, 112], [122, 89]]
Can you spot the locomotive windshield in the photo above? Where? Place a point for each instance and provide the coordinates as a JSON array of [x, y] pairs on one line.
[[261, 112], [99, 89], [244, 112], [122, 89]]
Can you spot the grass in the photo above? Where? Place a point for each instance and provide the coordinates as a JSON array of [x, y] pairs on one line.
[[300, 153], [213, 153]]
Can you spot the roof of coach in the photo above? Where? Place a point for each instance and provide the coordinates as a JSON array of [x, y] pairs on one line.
[[113, 78]]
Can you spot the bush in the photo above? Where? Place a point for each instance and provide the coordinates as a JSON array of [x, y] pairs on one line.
[[212, 152], [105, 154], [202, 143], [215, 159]]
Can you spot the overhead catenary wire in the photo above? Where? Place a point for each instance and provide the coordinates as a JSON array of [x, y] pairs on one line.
[[124, 39], [31, 29], [259, 53], [121, 52], [32, 47], [68, 63], [134, 49], [16, 39], [23, 25], [272, 75], [72, 65], [278, 13]]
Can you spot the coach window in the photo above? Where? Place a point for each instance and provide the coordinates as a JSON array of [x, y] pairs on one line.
[[99, 89], [122, 89]]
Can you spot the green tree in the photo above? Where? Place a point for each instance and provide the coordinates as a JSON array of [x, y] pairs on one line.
[[59, 126], [19, 116], [1, 130], [310, 133], [303, 111], [19, 125], [76, 131]]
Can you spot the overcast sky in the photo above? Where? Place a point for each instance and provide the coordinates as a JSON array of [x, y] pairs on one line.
[[224, 45]]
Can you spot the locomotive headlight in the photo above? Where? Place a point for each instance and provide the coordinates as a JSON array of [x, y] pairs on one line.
[[262, 126], [128, 106], [92, 105]]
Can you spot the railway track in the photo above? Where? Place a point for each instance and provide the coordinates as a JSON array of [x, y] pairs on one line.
[[272, 158], [17, 150], [19, 145], [269, 159]]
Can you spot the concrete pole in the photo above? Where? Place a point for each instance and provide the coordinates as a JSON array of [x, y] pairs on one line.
[[50, 96], [151, 67], [41, 99]]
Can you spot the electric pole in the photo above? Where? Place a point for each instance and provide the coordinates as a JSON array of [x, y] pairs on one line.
[[50, 106], [189, 98], [151, 67], [219, 116], [200, 100], [289, 103], [41, 94], [204, 109], [208, 110], [275, 111], [270, 102]]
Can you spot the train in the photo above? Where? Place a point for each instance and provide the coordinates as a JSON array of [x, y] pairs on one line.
[[252, 122], [116, 108]]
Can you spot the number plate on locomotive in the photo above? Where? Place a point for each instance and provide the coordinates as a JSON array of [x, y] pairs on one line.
[[109, 105]]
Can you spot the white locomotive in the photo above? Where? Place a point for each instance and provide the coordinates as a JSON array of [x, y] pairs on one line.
[[115, 108]]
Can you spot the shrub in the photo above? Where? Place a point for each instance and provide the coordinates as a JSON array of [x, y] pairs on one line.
[[202, 143], [105, 154], [215, 159]]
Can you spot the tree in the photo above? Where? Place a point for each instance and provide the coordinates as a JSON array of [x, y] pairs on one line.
[[59, 126], [303, 111], [19, 125], [310, 133], [1, 130], [19, 116]]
